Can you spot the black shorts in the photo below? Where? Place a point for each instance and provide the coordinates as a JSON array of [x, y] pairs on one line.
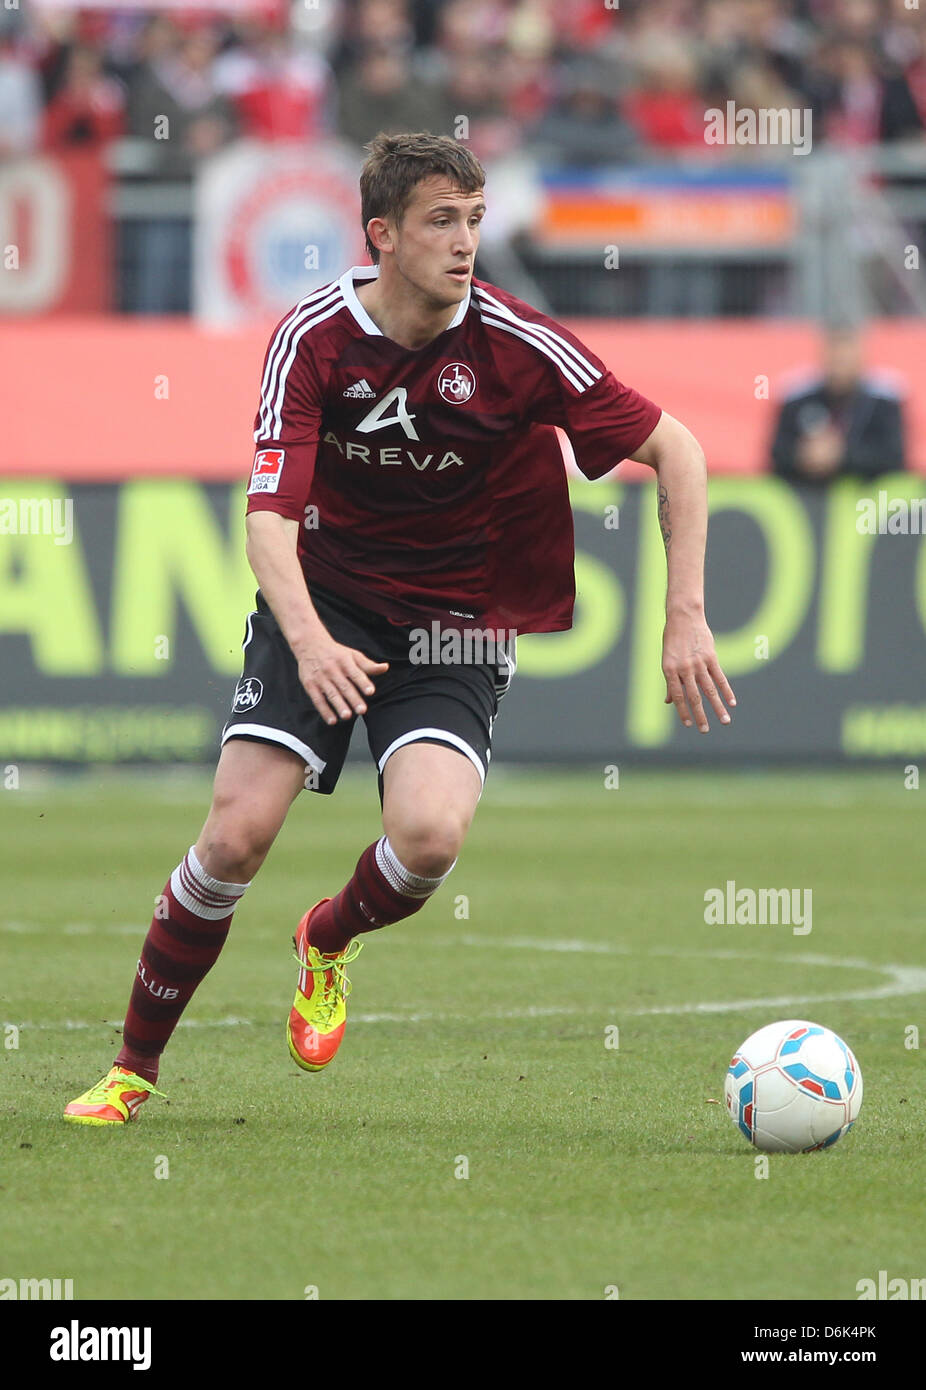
[[453, 704]]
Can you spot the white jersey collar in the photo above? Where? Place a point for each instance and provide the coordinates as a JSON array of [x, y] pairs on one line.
[[371, 272]]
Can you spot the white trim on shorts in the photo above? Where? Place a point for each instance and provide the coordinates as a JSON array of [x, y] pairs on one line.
[[509, 654], [276, 736], [445, 736]]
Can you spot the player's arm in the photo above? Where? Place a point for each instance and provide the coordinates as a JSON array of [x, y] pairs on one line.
[[689, 661], [335, 677]]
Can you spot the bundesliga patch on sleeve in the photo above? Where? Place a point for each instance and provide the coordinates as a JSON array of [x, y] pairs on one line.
[[265, 475]]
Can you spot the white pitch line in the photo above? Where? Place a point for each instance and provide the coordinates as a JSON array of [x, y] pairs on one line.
[[135, 929], [74, 928], [907, 979], [71, 1024], [902, 980]]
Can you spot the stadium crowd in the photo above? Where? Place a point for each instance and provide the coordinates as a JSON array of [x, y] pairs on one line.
[[587, 82]]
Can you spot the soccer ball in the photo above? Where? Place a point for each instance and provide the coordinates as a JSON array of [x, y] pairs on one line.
[[793, 1087]]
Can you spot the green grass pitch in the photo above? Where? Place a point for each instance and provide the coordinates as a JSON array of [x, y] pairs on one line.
[[476, 1043]]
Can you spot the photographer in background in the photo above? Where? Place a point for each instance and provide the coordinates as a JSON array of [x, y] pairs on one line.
[[845, 421]]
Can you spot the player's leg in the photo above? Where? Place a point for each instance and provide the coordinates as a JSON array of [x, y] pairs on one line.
[[430, 732], [430, 792], [255, 785], [429, 729]]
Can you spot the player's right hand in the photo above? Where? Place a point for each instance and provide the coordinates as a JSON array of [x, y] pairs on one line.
[[336, 679]]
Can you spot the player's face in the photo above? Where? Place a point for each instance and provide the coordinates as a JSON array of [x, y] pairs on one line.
[[436, 241]]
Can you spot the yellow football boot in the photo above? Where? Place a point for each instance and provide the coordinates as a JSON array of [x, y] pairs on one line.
[[115, 1100], [316, 1021]]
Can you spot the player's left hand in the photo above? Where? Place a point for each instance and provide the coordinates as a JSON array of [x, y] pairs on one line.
[[691, 668]]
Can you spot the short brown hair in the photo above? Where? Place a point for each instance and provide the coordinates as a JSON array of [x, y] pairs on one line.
[[396, 164]]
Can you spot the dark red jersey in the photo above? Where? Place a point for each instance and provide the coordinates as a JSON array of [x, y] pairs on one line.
[[431, 483]]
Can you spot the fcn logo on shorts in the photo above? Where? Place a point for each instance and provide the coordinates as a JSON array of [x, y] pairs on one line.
[[265, 475], [247, 694]]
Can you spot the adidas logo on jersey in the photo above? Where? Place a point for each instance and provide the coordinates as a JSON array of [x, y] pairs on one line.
[[360, 391]]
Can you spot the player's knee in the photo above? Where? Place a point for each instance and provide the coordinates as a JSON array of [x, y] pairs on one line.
[[233, 854], [428, 847]]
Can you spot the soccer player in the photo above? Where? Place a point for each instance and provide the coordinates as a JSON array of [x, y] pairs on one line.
[[408, 498]]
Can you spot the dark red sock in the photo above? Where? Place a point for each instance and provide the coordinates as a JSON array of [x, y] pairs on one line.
[[187, 933], [381, 891]]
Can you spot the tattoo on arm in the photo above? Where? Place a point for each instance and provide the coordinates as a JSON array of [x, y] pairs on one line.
[[664, 525]]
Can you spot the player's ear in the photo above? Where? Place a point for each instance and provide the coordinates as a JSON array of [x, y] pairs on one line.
[[380, 233]]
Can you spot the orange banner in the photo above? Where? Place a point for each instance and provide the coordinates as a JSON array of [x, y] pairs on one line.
[[669, 218]]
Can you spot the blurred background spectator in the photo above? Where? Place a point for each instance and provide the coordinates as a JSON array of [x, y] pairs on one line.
[[847, 420], [665, 103], [175, 102], [89, 107], [279, 90], [531, 65], [379, 92], [583, 86], [583, 125], [20, 99], [177, 109]]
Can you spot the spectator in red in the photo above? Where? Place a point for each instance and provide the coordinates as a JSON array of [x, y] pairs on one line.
[[88, 108], [527, 81], [280, 91], [583, 24], [667, 108]]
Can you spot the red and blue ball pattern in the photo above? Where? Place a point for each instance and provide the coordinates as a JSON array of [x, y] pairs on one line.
[[793, 1087]]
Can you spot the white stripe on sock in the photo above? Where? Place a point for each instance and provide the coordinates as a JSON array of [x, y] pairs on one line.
[[402, 879], [203, 895]]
